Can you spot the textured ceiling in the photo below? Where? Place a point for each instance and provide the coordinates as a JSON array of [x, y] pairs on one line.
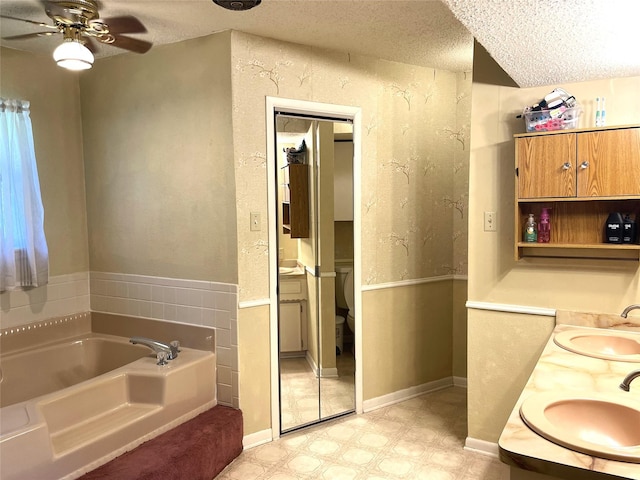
[[550, 42], [418, 32], [536, 42]]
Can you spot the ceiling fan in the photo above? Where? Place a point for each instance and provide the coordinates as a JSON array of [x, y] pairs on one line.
[[81, 26]]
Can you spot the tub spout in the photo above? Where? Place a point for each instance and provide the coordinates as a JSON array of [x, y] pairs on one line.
[[171, 350]]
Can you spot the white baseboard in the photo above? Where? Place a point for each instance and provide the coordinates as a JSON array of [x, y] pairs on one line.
[[312, 363], [481, 446], [257, 438], [406, 394], [331, 372]]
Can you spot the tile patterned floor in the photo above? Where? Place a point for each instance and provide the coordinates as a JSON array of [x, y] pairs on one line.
[[420, 438], [304, 397]]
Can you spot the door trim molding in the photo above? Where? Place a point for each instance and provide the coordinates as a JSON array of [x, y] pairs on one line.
[[303, 107]]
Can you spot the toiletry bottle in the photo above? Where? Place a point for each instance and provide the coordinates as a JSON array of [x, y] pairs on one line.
[[531, 230], [544, 228], [613, 228], [629, 230]]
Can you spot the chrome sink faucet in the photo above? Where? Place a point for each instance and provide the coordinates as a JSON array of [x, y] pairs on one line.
[[163, 351], [626, 311], [626, 383]]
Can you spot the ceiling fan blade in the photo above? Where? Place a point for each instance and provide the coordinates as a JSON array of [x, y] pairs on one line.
[[131, 44], [40, 24], [24, 36], [124, 24]]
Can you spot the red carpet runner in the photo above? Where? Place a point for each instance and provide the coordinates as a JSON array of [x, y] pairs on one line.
[[197, 449]]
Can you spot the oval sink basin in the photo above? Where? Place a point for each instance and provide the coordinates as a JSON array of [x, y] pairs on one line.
[[286, 270], [599, 425], [606, 344]]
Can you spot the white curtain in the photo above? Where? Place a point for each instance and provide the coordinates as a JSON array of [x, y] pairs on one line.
[[24, 257]]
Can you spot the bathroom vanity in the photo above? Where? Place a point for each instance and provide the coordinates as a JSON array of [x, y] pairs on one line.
[[575, 382], [293, 309]]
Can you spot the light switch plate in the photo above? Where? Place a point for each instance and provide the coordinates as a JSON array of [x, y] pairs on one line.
[[489, 221], [255, 221]]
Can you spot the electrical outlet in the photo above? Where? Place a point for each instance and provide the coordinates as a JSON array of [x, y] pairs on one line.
[[489, 221], [255, 221]]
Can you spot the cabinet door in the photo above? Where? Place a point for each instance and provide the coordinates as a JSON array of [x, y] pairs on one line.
[[546, 166], [290, 328], [609, 163]]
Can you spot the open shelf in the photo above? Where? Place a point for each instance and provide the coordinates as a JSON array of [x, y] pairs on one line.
[[572, 250]]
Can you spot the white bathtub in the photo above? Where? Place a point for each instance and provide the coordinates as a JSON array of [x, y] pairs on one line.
[[71, 406]]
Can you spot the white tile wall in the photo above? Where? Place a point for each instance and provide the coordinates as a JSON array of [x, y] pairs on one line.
[[193, 302], [63, 295]]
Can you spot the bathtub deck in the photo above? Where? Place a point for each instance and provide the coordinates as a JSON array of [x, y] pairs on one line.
[[198, 449], [99, 426]]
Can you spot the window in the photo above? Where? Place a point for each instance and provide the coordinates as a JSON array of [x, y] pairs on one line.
[[24, 257]]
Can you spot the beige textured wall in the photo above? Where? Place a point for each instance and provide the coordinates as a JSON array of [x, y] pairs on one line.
[[410, 136], [500, 363], [158, 151], [407, 338], [255, 376], [503, 350], [413, 151], [55, 116]]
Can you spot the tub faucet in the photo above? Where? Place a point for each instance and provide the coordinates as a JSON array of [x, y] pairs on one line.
[[163, 351], [626, 311], [628, 379]]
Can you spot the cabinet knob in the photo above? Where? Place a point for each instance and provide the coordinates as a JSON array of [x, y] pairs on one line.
[[584, 165], [566, 166]]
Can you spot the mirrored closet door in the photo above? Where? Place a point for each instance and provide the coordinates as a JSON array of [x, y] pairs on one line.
[[314, 175]]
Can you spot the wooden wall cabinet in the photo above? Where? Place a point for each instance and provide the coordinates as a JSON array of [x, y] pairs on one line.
[[582, 175], [295, 207]]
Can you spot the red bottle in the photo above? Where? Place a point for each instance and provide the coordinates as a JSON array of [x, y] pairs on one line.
[[544, 226]]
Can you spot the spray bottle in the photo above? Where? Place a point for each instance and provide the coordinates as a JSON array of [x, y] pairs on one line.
[[544, 229]]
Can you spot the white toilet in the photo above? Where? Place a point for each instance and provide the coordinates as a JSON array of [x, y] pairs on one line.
[[344, 293]]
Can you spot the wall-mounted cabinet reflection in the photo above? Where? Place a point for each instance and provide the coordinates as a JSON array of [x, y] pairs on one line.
[[295, 205]]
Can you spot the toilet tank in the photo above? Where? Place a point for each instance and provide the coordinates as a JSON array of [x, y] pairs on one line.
[[341, 274]]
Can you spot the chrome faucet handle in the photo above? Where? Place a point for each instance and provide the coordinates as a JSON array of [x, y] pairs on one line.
[[162, 358], [175, 348]]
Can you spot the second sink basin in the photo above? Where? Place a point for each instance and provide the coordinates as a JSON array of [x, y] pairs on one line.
[[599, 343], [605, 426]]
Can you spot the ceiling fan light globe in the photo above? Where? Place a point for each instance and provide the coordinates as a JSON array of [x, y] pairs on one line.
[[73, 55]]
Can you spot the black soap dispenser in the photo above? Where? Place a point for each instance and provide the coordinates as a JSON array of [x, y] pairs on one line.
[[613, 228], [629, 230]]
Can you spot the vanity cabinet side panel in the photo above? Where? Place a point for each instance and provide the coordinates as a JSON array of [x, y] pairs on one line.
[[613, 163], [546, 166]]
